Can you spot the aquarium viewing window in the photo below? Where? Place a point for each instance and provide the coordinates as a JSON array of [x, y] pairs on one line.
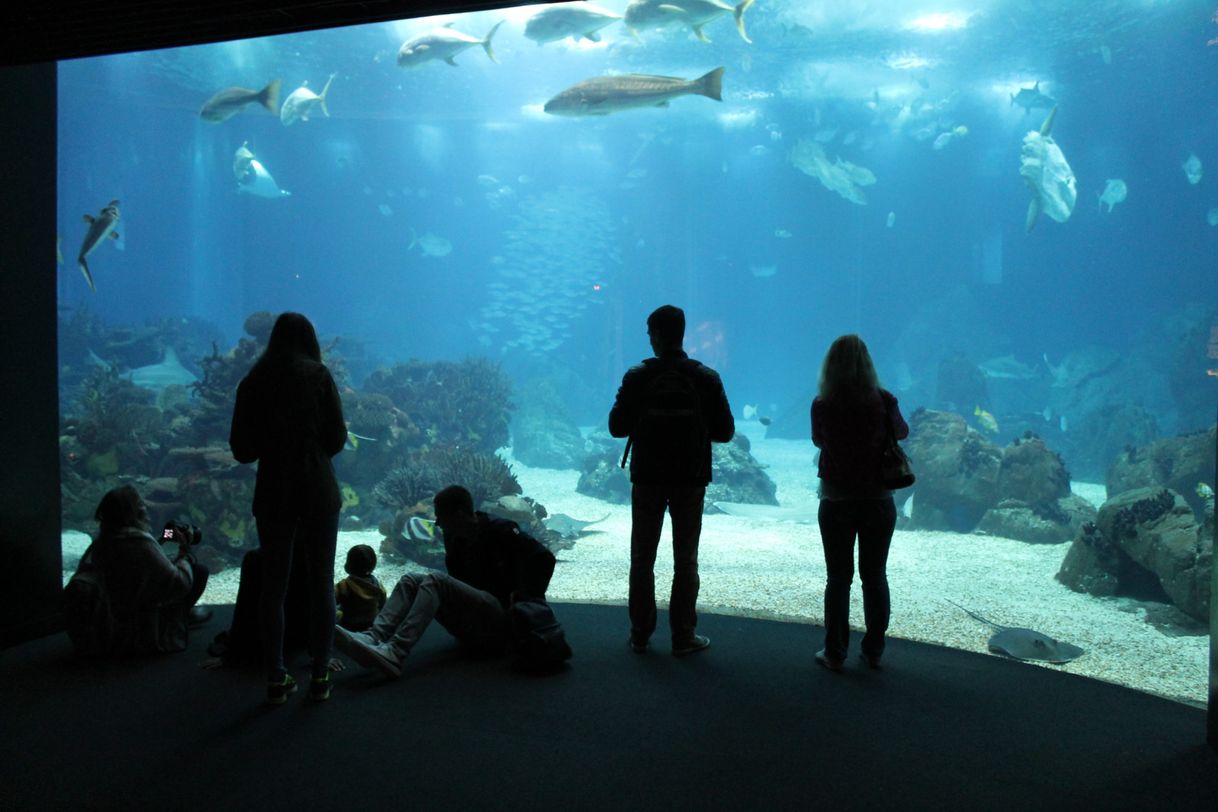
[[1013, 204]]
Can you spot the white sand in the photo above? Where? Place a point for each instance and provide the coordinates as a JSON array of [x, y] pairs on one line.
[[776, 569]]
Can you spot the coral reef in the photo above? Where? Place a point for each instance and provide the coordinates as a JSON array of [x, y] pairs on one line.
[[1179, 463], [425, 471], [543, 433]]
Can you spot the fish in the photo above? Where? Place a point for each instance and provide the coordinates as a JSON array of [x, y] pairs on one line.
[[1205, 491], [575, 20], [782, 234], [431, 245], [353, 440], [1008, 368], [1211, 216], [839, 176], [567, 527], [644, 14], [1114, 192], [168, 372], [258, 182], [603, 95], [1026, 644], [765, 421], [231, 101], [750, 411], [1192, 168], [1047, 175], [241, 160], [302, 101], [443, 44], [1030, 98], [772, 513], [100, 228], [986, 420], [891, 220]]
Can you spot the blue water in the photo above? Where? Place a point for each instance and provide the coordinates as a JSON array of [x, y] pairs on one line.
[[579, 227]]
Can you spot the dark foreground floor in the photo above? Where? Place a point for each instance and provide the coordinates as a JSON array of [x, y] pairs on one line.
[[749, 724]]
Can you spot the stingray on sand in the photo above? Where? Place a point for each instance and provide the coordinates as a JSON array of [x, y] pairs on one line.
[[569, 528], [1026, 644]]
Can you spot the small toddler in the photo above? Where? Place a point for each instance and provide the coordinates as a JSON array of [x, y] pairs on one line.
[[360, 595]]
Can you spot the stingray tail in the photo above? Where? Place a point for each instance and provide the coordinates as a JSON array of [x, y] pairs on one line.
[[974, 615]]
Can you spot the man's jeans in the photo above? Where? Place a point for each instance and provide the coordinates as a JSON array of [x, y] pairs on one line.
[[684, 504], [471, 615]]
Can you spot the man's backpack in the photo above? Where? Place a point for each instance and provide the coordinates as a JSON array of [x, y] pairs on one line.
[[538, 641], [89, 617], [671, 424]]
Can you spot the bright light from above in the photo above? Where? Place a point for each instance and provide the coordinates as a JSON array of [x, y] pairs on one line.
[[940, 21]]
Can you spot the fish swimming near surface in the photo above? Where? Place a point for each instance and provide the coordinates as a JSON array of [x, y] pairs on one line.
[[986, 420], [603, 95], [1030, 98], [644, 14], [302, 101], [575, 20], [1114, 192], [1026, 644], [101, 228], [443, 44], [231, 101], [567, 527]]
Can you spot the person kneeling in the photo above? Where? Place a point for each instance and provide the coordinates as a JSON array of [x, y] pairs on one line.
[[489, 563]]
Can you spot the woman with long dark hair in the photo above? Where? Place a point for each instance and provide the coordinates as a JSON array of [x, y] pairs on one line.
[[851, 419], [289, 419]]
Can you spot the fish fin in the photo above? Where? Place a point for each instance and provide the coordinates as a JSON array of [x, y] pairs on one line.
[[89, 219], [700, 34], [450, 61], [671, 9], [1047, 127], [114, 235], [324, 91], [270, 95], [634, 32], [486, 41], [712, 84], [592, 36], [84, 268], [1034, 208], [738, 13]]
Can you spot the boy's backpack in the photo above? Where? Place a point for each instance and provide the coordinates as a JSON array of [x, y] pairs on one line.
[[671, 425], [89, 617], [538, 641]]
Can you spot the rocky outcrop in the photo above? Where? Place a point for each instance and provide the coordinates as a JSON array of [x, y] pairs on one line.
[[1093, 442], [957, 472], [1144, 540], [544, 435], [1178, 463], [1050, 522]]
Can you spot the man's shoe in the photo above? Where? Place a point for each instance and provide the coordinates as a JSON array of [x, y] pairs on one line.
[[636, 645], [319, 688], [345, 639], [380, 656], [693, 644], [828, 662], [198, 615], [278, 692], [872, 660]]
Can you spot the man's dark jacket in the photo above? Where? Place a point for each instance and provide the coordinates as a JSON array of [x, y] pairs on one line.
[[503, 560], [688, 467]]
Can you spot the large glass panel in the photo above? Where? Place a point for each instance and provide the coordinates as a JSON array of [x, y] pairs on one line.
[[1013, 203]]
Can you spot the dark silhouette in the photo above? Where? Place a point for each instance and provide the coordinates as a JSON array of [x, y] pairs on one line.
[[672, 408], [140, 601], [850, 425], [490, 563], [289, 419], [360, 595]]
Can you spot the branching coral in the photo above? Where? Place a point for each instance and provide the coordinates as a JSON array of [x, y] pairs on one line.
[[425, 471]]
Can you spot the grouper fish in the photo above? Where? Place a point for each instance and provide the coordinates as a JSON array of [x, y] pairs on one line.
[[609, 94], [231, 101], [101, 228]]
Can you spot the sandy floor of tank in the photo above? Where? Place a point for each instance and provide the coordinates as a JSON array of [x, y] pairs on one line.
[[775, 569]]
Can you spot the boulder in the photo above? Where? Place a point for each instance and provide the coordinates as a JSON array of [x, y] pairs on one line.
[[1093, 442], [601, 476], [1179, 463], [957, 472], [544, 435], [1031, 473], [1143, 537], [1050, 522]]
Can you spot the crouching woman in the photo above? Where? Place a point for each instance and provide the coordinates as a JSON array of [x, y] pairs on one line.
[[127, 595]]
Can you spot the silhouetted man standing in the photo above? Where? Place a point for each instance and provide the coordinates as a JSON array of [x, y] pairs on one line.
[[672, 408]]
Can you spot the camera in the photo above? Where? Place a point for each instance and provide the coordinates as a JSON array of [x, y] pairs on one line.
[[180, 532]]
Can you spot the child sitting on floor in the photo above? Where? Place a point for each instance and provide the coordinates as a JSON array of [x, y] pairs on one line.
[[360, 595]]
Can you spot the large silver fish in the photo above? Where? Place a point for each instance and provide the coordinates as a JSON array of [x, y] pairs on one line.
[[101, 228], [575, 20], [643, 14], [231, 101], [442, 43], [300, 103], [608, 94]]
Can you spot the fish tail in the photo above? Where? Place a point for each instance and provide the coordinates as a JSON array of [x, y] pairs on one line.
[[84, 268], [486, 42], [270, 96], [711, 85], [738, 13], [324, 91]]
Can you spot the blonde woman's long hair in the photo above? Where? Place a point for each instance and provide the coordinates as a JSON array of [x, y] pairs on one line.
[[847, 372]]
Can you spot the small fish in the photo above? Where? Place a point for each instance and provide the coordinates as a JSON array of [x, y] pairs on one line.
[[1114, 192], [443, 44], [353, 440], [891, 220], [987, 420], [576, 20], [100, 228], [749, 412], [1030, 98], [765, 421], [302, 101], [231, 101], [603, 95], [782, 234], [1192, 168], [1204, 490]]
